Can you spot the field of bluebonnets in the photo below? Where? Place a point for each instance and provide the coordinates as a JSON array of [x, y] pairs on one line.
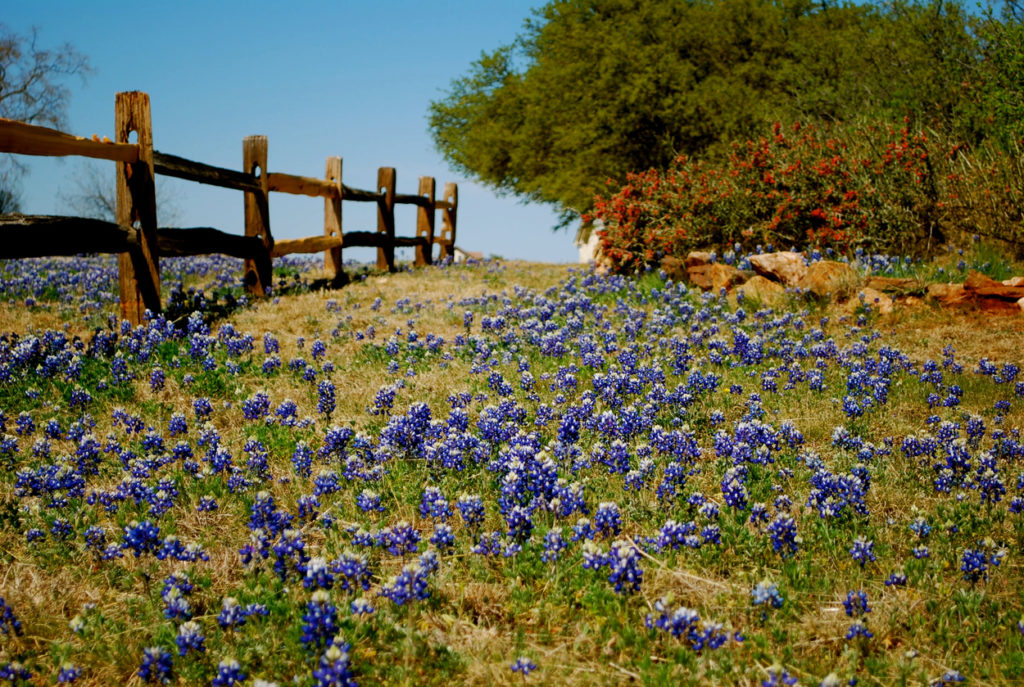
[[503, 473]]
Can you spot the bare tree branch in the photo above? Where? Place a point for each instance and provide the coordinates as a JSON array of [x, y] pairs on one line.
[[93, 196], [32, 90]]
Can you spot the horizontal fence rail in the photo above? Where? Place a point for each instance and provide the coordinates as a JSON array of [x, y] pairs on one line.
[[139, 243]]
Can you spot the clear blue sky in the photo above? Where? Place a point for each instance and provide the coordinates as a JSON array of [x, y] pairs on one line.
[[318, 78]]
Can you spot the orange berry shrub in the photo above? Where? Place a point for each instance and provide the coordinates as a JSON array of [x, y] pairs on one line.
[[881, 189]]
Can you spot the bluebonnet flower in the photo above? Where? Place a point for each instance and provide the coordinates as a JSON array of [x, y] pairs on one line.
[[190, 638], [156, 666], [229, 673], [264, 514], [921, 552], [554, 544], [782, 530], [290, 554], [141, 537], [471, 508], [177, 424], [488, 544], [856, 603], [443, 537], [61, 529], [361, 606], [863, 550], [302, 459], [317, 574], [685, 624], [766, 593], [859, 629], [433, 504], [625, 572], [320, 621], [231, 614], [69, 673], [520, 523], [202, 408], [318, 349], [582, 530], [325, 395], [522, 664], [157, 379], [326, 482], [352, 570], [206, 504], [896, 579], [974, 563], [256, 406], [920, 527], [24, 425], [778, 677], [675, 534], [79, 397], [409, 584], [399, 539], [9, 623], [734, 493], [308, 505], [369, 501], [287, 412], [608, 519], [334, 668], [758, 514], [176, 605]]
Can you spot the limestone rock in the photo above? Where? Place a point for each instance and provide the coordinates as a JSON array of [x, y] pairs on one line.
[[828, 277], [949, 294], [726, 276], [976, 280], [700, 276], [878, 301], [698, 257], [673, 268], [764, 290], [894, 284], [1013, 281], [784, 267], [988, 288]]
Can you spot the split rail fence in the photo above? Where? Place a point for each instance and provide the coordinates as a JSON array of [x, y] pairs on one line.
[[139, 243]]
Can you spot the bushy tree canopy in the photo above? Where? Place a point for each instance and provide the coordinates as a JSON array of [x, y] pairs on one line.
[[593, 89]]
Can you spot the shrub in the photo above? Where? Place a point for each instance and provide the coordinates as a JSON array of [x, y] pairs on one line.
[[878, 188]]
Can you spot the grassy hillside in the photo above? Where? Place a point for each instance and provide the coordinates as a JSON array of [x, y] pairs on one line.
[[503, 473]]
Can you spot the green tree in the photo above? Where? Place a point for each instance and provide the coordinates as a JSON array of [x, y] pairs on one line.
[[1001, 87], [593, 89], [32, 89]]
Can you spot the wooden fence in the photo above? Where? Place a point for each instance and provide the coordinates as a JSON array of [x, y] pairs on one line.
[[140, 243]]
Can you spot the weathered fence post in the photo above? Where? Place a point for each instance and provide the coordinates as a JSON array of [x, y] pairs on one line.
[[139, 268], [386, 217], [258, 275], [332, 216], [425, 223], [448, 217]]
